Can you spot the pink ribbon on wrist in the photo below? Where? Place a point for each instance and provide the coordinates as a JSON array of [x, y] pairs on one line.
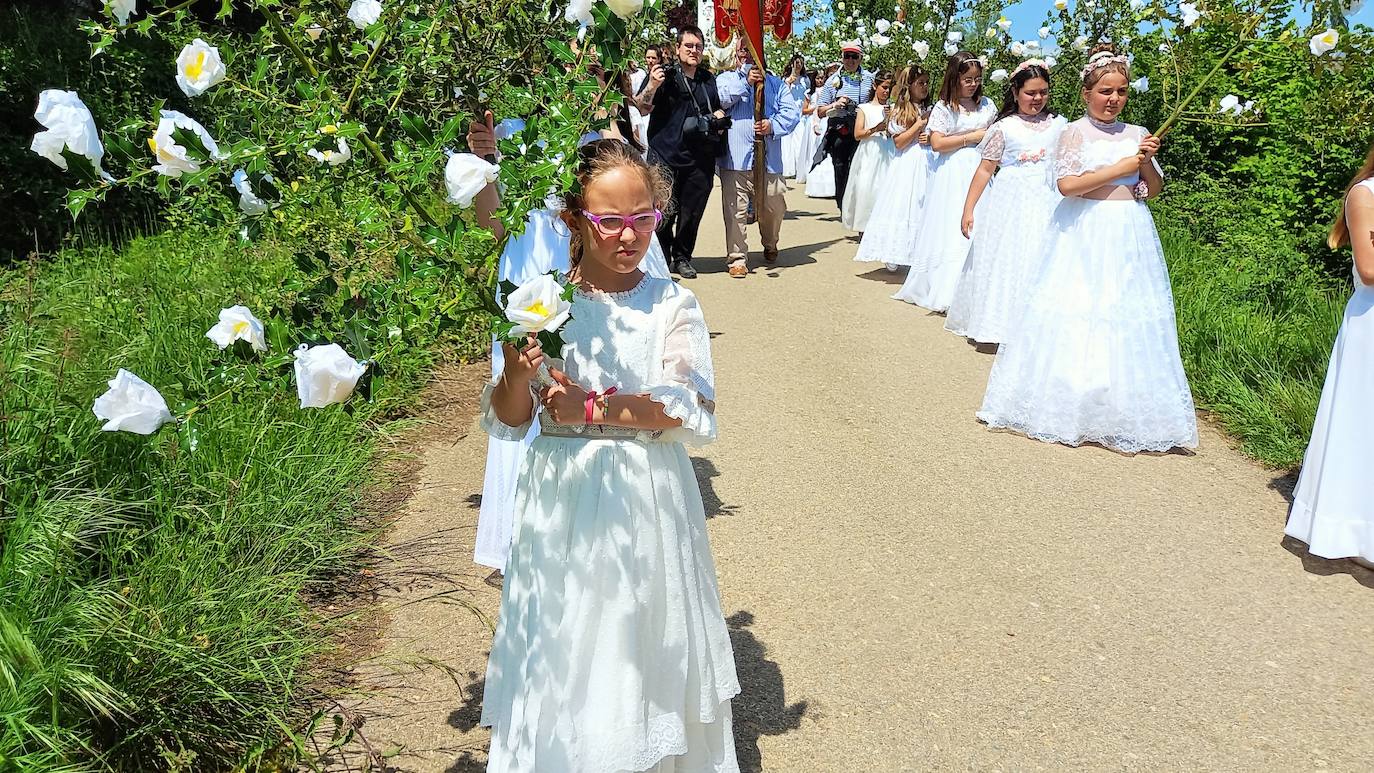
[[591, 401]]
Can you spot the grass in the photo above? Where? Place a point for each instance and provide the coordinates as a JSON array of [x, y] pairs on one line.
[[1255, 351], [153, 601]]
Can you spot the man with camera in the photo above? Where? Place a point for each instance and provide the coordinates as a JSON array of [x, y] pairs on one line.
[[686, 134], [781, 114], [838, 103]]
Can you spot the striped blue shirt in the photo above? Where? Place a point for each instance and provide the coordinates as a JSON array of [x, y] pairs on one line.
[[858, 86]]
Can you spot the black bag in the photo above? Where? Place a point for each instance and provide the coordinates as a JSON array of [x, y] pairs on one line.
[[702, 130]]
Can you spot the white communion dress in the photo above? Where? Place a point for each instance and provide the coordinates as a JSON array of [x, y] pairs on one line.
[[1333, 506], [542, 248], [820, 181], [867, 172], [1095, 355], [940, 244], [1008, 227], [896, 219], [793, 140], [807, 143], [611, 652]]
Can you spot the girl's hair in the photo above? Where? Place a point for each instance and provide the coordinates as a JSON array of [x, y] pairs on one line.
[[879, 77], [1017, 82], [1109, 61], [792, 64], [1340, 230], [959, 63], [907, 112], [596, 159]]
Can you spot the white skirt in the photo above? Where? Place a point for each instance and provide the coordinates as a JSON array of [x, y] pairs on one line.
[[940, 245], [820, 183], [611, 652], [1333, 505], [808, 141], [867, 176], [1009, 230], [896, 218], [1095, 356], [790, 148]]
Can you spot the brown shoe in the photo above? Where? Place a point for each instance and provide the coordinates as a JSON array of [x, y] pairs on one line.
[[770, 256], [738, 272]]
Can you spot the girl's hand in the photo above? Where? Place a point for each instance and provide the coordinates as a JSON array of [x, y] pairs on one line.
[[924, 137], [966, 226], [522, 365], [482, 136], [564, 401], [1149, 146]]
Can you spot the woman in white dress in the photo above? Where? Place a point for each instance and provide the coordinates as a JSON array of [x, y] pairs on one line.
[[1095, 354], [896, 217], [820, 180], [868, 170], [957, 125], [1012, 220], [1333, 505], [611, 652], [541, 248], [799, 86]]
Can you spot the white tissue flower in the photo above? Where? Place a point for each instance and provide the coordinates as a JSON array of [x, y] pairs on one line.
[[1141, 84], [339, 155], [466, 175], [364, 13], [325, 375], [998, 75], [199, 67], [1189, 14], [1322, 44], [625, 9], [172, 159], [249, 202], [131, 405], [580, 12], [120, 10], [69, 126], [237, 323], [537, 306]]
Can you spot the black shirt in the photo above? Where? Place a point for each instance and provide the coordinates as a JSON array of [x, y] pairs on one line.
[[672, 105]]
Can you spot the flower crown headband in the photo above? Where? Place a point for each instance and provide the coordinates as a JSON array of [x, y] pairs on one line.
[[1029, 63], [1104, 59]]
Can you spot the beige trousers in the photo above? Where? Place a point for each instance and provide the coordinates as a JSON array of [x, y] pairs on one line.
[[735, 191]]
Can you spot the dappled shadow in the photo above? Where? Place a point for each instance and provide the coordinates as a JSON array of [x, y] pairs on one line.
[[1325, 567], [706, 472], [761, 708]]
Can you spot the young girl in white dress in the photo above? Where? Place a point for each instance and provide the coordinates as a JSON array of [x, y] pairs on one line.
[[799, 85], [1012, 220], [957, 125], [868, 170], [611, 652], [1095, 354], [896, 217], [541, 248], [1333, 505]]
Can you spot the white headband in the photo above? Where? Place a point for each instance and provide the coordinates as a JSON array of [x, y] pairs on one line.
[[1104, 59]]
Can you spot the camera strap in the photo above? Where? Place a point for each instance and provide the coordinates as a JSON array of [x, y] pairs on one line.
[[691, 94]]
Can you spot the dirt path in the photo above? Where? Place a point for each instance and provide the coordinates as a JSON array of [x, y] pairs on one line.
[[910, 591]]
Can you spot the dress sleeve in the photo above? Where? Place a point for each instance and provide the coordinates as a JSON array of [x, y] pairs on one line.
[[1154, 162], [492, 424], [994, 143], [1068, 154], [688, 384], [941, 119]]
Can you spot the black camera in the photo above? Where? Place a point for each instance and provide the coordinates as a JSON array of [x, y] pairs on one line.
[[705, 126]]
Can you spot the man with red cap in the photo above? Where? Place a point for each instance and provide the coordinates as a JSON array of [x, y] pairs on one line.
[[838, 103]]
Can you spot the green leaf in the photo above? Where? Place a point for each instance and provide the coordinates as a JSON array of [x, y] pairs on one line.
[[226, 9], [80, 166], [561, 51], [552, 343], [417, 129], [188, 434], [195, 148], [78, 198]]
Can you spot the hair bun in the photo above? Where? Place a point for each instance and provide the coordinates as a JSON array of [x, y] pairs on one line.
[[1101, 48]]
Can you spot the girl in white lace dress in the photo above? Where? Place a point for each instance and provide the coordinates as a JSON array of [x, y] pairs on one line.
[[799, 86], [868, 170], [611, 652], [1095, 355], [896, 218], [1333, 505], [957, 125], [1012, 218]]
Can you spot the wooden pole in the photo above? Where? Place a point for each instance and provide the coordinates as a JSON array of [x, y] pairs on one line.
[[760, 143]]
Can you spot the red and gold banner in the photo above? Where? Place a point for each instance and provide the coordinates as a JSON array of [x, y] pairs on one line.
[[731, 15]]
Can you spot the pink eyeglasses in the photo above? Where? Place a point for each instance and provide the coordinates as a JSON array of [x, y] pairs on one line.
[[615, 225]]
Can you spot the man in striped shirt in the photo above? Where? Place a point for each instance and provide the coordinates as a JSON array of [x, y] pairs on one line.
[[838, 103]]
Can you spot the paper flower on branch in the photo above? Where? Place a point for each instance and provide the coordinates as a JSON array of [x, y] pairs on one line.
[[1080, 43], [1017, 49], [951, 49], [1061, 4], [879, 41], [579, 12], [339, 154], [998, 75], [364, 13], [1232, 104], [954, 36], [1323, 43], [173, 158], [1141, 85], [929, 26], [314, 32], [121, 9], [538, 306], [1004, 24], [921, 48], [1188, 14], [325, 375], [70, 127], [237, 323], [199, 67], [625, 9], [249, 202], [466, 175], [131, 405], [882, 25], [1044, 33]]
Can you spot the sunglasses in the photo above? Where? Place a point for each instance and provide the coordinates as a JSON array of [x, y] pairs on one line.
[[851, 56], [615, 225]]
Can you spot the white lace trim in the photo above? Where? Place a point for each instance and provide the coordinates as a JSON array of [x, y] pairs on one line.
[[492, 424], [690, 407]]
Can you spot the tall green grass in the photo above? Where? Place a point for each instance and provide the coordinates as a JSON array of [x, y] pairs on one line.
[[1255, 347], [153, 601]]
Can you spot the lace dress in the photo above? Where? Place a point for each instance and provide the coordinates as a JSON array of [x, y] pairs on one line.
[[611, 652], [542, 248], [820, 180], [867, 172], [896, 219], [1333, 506], [940, 246], [1009, 226], [1095, 355], [793, 140]]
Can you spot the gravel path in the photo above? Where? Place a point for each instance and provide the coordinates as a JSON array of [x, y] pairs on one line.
[[910, 591]]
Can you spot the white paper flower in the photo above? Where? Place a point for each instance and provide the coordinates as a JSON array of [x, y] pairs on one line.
[[314, 32], [1230, 104], [172, 159], [1136, 5], [954, 36], [882, 25], [120, 10], [1061, 4], [1080, 43], [1050, 62], [580, 12], [921, 48], [1044, 33], [998, 75], [364, 13], [1189, 14], [1164, 48], [466, 175], [1323, 43], [625, 9], [1248, 106], [249, 202], [1004, 24], [131, 405], [991, 33], [325, 375], [198, 68], [237, 323], [951, 49], [1017, 49], [69, 125], [929, 26], [879, 41], [339, 155], [537, 306], [1141, 84]]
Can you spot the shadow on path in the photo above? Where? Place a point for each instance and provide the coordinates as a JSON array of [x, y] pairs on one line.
[[1325, 567], [761, 707], [706, 471]]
